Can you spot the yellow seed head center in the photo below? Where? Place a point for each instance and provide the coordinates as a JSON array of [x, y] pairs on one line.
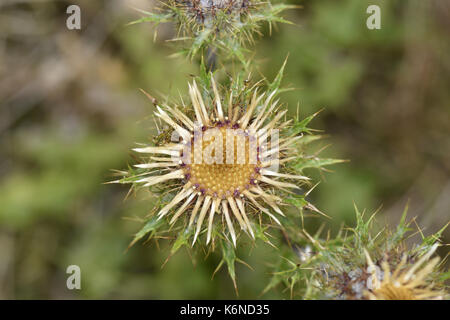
[[224, 162]]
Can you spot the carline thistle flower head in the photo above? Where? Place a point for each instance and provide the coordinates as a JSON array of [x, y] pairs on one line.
[[224, 159], [407, 277], [404, 282], [380, 266], [217, 24], [364, 262]]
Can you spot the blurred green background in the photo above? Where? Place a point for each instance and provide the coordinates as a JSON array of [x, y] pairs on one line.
[[70, 110]]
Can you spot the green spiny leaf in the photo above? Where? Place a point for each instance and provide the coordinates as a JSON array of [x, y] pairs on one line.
[[151, 227], [275, 84], [314, 162], [229, 257], [152, 17], [301, 126], [182, 240]]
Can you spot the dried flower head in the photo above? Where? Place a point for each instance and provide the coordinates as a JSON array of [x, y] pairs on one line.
[[217, 24], [404, 283], [353, 274], [366, 265], [207, 161], [226, 162]]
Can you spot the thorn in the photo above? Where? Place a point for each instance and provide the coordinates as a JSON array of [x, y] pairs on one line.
[[152, 99]]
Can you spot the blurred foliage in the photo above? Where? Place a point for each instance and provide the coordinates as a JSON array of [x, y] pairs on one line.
[[70, 109]]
